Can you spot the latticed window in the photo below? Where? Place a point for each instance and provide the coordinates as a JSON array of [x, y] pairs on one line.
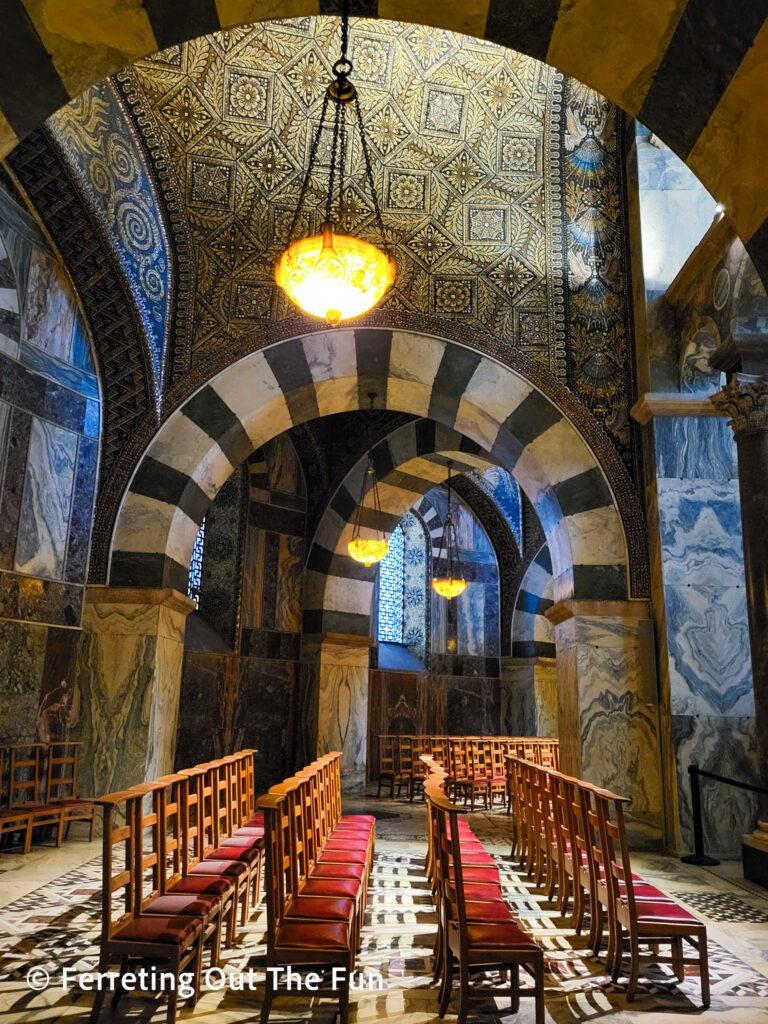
[[391, 591], [196, 566]]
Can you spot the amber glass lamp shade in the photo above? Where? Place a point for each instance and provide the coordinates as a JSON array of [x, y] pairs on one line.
[[449, 587], [367, 550], [334, 277]]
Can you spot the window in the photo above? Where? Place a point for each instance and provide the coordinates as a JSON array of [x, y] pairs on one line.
[[391, 591], [196, 566]]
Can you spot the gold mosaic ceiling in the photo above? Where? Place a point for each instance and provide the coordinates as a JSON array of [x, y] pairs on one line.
[[466, 160]]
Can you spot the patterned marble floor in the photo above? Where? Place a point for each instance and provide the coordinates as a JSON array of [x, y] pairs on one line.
[[57, 925]]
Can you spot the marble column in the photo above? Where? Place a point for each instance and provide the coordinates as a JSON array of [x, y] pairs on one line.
[[745, 400], [341, 669], [126, 702], [528, 696], [608, 715]]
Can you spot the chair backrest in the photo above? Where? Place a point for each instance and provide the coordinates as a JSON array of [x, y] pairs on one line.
[[613, 835], [147, 845], [386, 754], [171, 812], [61, 781], [405, 754], [118, 893], [24, 773], [193, 835], [276, 866]]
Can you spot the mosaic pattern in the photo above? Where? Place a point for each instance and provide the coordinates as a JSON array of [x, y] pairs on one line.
[[58, 926], [722, 906], [466, 137], [598, 298], [98, 142], [391, 591], [416, 581]]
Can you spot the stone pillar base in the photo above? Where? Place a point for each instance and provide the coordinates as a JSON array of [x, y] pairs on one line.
[[608, 716], [341, 667], [528, 697], [126, 704]]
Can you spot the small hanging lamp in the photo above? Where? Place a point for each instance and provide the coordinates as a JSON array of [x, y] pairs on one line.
[[333, 276], [454, 583], [368, 550]]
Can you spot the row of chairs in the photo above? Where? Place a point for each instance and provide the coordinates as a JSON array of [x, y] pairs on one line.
[[571, 837], [180, 855], [477, 932], [42, 791], [318, 864], [474, 764]]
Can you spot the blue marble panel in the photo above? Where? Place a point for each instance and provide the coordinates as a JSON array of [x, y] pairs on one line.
[[92, 422], [726, 746], [708, 643], [46, 501], [700, 528], [63, 373], [81, 348], [49, 311], [695, 447], [470, 618]]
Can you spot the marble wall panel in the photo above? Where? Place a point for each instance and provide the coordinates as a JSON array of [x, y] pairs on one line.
[[49, 313], [268, 713], [343, 708], [518, 698], [22, 658], [221, 560], [725, 746], [470, 620], [708, 649], [472, 706], [700, 526], [289, 582], [694, 447], [46, 501], [545, 698], [57, 688]]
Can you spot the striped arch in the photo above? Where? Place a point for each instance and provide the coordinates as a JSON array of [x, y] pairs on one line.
[[409, 462], [533, 635], [267, 392], [693, 72]]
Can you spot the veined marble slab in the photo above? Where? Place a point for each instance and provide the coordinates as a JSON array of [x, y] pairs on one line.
[[708, 644], [47, 500], [700, 525]]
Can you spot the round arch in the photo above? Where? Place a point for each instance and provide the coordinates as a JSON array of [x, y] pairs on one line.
[[579, 492], [715, 124]]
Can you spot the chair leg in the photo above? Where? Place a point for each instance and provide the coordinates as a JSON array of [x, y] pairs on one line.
[[634, 967], [677, 958], [538, 981], [445, 992], [269, 995], [378, 792], [618, 953], [463, 992], [514, 984], [704, 966]]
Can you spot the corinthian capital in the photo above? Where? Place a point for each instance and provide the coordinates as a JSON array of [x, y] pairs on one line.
[[745, 400]]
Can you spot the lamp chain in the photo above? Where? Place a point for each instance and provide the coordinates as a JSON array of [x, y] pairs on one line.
[[369, 176], [310, 166]]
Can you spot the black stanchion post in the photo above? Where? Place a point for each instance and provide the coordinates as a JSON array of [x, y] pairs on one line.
[[698, 856]]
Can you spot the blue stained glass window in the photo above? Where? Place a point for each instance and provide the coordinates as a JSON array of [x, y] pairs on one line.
[[196, 565], [391, 591]]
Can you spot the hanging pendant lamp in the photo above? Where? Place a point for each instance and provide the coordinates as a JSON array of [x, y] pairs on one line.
[[368, 550], [454, 583], [332, 276]]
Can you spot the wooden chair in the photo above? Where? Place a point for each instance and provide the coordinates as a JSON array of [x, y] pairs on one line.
[[24, 788], [387, 764], [61, 787], [152, 881], [653, 919], [173, 941], [404, 755], [480, 936]]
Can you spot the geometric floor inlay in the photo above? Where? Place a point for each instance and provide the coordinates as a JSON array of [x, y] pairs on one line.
[[58, 925], [722, 906]]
